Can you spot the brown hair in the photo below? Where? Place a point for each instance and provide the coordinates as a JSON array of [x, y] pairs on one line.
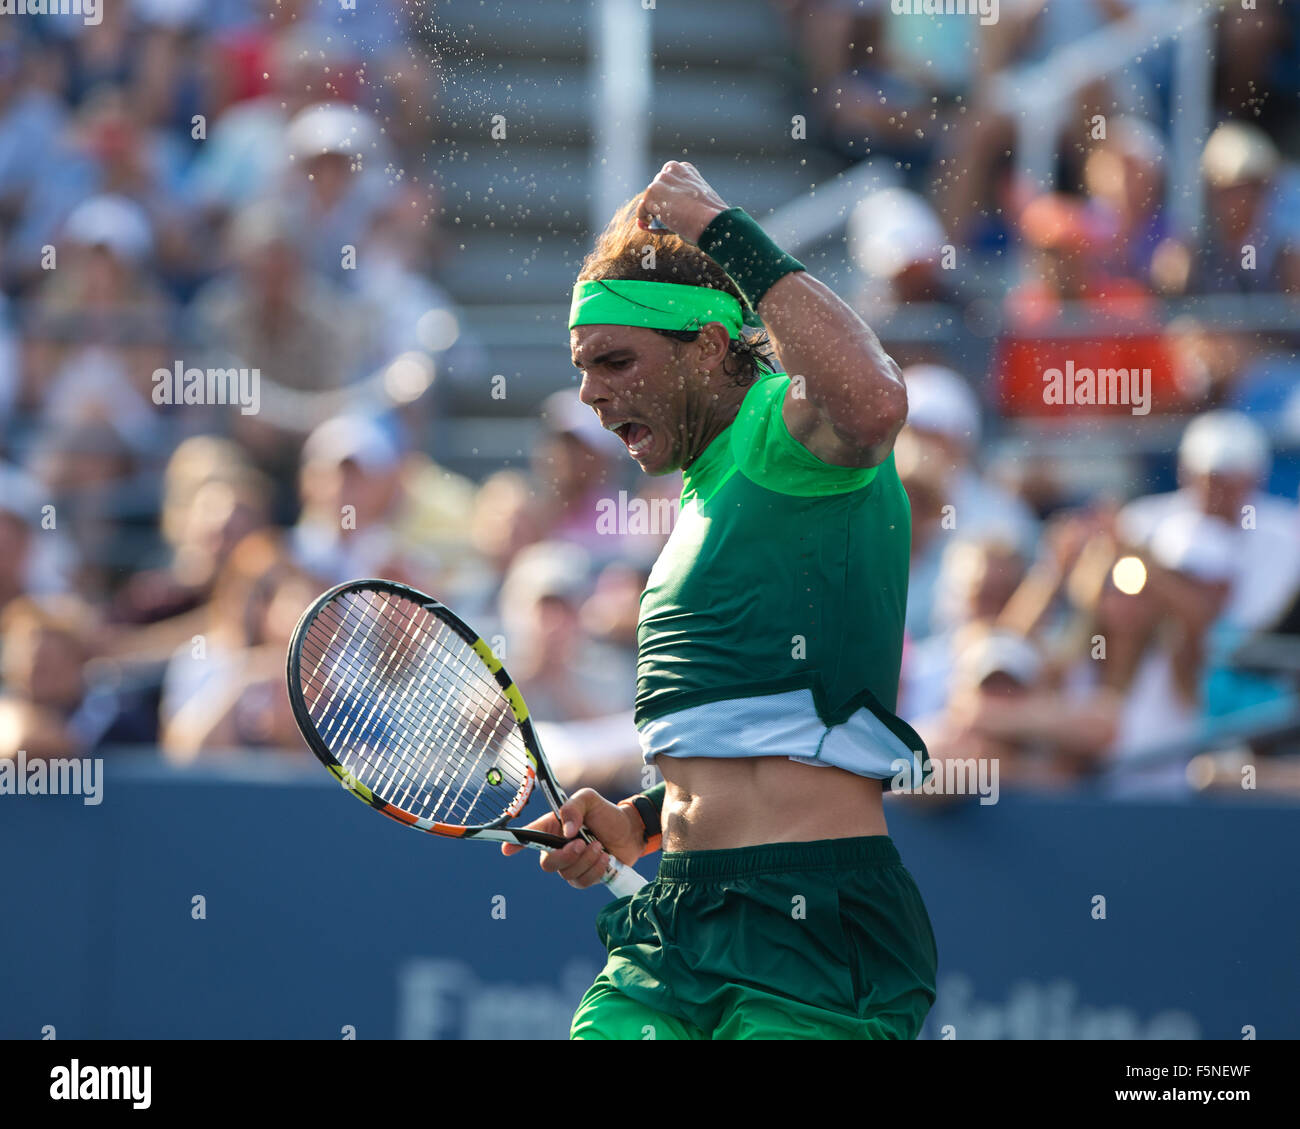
[[619, 254]]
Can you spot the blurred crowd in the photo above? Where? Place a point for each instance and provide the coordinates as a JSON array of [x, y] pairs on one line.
[[182, 183]]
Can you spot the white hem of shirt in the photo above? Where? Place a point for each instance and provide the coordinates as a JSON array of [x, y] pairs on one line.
[[782, 725]]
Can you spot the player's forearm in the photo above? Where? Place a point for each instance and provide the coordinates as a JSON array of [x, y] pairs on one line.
[[838, 362]]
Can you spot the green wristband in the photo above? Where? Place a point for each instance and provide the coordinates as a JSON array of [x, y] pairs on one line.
[[746, 252]]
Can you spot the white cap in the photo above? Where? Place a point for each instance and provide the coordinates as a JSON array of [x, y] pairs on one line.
[[329, 127], [1225, 442], [115, 222], [940, 400], [1196, 544], [1000, 652], [358, 439], [564, 414], [1238, 153], [893, 228], [545, 568]]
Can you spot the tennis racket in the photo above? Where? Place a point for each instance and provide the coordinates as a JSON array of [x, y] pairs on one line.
[[410, 709]]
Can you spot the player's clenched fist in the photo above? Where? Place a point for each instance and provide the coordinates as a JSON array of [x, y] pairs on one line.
[[680, 199], [618, 829]]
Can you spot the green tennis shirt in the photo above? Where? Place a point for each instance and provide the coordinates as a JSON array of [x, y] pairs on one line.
[[772, 621]]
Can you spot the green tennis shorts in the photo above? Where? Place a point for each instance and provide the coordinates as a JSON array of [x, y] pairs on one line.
[[821, 940]]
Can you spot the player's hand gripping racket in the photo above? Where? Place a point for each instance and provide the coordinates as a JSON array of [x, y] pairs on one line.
[[410, 709]]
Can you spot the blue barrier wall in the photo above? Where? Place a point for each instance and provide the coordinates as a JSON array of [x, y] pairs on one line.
[[319, 916]]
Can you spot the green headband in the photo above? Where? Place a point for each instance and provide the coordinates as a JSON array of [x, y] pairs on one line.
[[653, 305]]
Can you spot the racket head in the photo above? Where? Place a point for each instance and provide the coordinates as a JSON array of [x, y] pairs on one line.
[[410, 709]]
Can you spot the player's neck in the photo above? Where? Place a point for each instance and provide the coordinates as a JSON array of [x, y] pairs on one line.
[[712, 419]]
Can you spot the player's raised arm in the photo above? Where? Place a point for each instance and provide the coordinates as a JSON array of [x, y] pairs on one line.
[[851, 402]]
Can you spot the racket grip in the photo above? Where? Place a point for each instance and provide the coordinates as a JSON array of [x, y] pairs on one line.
[[622, 880]]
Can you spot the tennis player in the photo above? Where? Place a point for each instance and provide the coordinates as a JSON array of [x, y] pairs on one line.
[[769, 643]]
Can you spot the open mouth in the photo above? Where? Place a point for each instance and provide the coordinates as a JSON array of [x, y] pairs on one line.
[[636, 436]]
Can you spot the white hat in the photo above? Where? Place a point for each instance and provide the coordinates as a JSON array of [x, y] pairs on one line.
[[1000, 652], [545, 569], [115, 222], [358, 439], [940, 400], [564, 414], [1197, 544], [1238, 153], [893, 228], [1225, 442], [329, 127]]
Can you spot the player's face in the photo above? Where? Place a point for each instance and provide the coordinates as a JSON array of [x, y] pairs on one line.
[[644, 388]]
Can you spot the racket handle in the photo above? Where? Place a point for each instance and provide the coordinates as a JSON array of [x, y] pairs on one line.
[[656, 224], [622, 880]]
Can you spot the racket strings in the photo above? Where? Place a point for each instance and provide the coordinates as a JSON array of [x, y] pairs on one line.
[[389, 665], [393, 667], [407, 706]]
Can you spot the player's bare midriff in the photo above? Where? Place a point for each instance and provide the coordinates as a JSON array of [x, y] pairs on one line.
[[715, 804]]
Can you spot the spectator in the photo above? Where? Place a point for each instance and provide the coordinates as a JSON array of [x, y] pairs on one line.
[[337, 185], [1125, 182], [106, 151], [944, 415], [976, 579], [99, 327], [350, 485], [412, 312], [1253, 239], [1190, 573], [1002, 711], [897, 239], [943, 424], [573, 462], [53, 703], [86, 475], [30, 563], [505, 519], [224, 689], [273, 71], [1066, 240], [564, 674], [370, 511], [273, 314], [212, 499], [1223, 463]]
